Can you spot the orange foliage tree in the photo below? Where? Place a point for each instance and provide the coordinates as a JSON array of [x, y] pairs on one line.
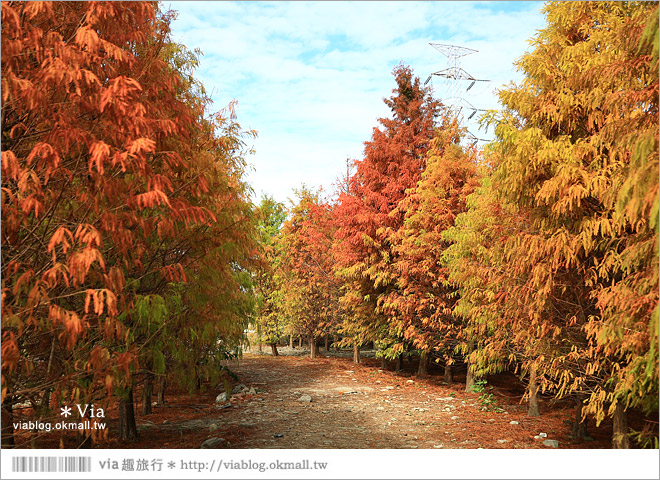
[[575, 287], [110, 174], [309, 291], [420, 307]]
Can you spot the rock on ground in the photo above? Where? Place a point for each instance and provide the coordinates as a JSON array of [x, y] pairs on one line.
[[215, 442], [240, 388]]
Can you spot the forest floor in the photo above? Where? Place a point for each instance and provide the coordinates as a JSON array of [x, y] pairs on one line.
[[356, 406], [352, 406]]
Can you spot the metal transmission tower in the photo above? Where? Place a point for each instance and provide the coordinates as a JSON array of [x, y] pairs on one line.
[[455, 80]]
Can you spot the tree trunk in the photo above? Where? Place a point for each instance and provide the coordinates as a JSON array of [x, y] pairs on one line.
[[300, 341], [327, 342], [147, 390], [273, 349], [7, 423], [620, 428], [469, 378], [313, 347], [84, 441], [449, 377], [45, 399], [291, 341], [356, 353], [127, 426], [397, 364], [162, 383], [422, 370], [335, 341], [383, 362], [579, 429], [533, 407]]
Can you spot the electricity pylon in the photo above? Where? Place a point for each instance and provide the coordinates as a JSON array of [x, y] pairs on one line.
[[455, 81]]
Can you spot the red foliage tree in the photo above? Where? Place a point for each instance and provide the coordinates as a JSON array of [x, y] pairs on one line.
[[367, 210]]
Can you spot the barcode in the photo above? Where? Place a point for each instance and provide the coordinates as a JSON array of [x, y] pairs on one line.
[[51, 464]]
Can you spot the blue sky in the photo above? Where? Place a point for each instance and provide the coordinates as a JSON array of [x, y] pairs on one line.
[[310, 77]]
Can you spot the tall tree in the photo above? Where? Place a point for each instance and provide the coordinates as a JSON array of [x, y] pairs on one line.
[[420, 306], [367, 210], [577, 153], [493, 318], [111, 178], [310, 291], [270, 321]]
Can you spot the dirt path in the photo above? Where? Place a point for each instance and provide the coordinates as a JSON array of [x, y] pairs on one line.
[[348, 406], [353, 406]]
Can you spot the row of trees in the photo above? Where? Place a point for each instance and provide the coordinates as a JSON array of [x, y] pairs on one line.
[[557, 259], [297, 291], [128, 238], [538, 255]]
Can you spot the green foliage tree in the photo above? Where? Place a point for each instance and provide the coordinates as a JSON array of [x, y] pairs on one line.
[[270, 321]]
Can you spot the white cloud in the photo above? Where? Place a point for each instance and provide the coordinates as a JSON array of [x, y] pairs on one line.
[[310, 76]]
